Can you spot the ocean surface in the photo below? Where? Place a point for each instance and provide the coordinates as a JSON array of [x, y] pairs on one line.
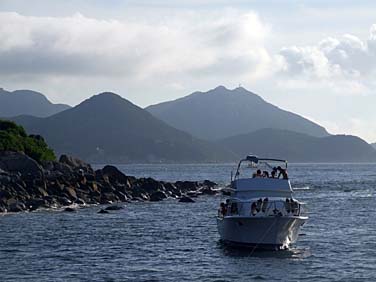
[[171, 241]]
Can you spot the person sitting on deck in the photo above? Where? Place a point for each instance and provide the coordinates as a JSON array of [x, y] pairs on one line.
[[282, 172], [223, 209], [265, 205], [294, 207], [265, 174], [288, 205], [253, 208], [228, 206], [259, 205], [234, 208], [257, 174], [273, 173]]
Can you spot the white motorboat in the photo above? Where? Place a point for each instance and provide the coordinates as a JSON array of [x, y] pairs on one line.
[[260, 211]]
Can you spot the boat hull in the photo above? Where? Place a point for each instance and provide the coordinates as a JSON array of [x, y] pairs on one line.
[[274, 232]]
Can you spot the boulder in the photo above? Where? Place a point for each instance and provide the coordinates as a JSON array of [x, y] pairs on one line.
[[75, 163], [102, 211], [209, 183], [17, 207], [157, 196], [207, 191], [35, 204], [186, 185], [193, 194], [19, 162], [68, 209], [80, 202], [70, 192], [113, 174], [64, 201], [186, 199]]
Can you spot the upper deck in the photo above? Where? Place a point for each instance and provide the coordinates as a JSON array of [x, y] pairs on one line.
[[263, 183], [248, 188]]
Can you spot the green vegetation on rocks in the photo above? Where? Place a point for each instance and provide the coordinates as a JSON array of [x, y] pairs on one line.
[[14, 138]]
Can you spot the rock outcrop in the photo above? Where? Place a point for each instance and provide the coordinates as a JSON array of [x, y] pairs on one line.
[[27, 185]]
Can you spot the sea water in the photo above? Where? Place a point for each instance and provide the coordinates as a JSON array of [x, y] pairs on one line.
[[171, 241]]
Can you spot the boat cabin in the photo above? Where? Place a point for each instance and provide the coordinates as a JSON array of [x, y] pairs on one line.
[[260, 194]]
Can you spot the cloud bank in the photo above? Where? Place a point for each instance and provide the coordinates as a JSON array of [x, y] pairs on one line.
[[345, 65], [190, 43]]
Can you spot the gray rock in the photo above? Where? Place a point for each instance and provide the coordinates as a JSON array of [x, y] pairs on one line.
[[17, 207], [114, 175], [209, 183], [70, 192], [35, 204], [186, 199], [80, 201], [207, 191], [64, 201], [68, 209], [157, 196], [19, 162], [102, 211], [75, 163]]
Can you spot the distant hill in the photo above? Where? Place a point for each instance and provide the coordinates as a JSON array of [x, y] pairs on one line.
[[220, 113], [27, 102], [108, 128], [373, 145], [299, 147]]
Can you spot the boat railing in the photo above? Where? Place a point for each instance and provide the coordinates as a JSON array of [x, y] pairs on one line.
[[263, 208]]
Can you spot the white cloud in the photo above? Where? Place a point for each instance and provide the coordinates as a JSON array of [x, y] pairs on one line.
[[346, 64], [185, 43]]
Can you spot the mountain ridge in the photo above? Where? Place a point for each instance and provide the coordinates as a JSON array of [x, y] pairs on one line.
[[220, 113], [109, 128], [27, 102], [299, 147]]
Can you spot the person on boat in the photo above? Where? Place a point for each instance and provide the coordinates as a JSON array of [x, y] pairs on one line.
[[223, 209], [265, 174], [273, 173], [294, 207], [253, 208], [259, 205], [234, 208], [288, 205], [258, 173], [275, 170], [265, 205], [228, 206], [282, 172]]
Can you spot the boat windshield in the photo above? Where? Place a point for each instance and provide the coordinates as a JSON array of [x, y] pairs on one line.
[[253, 166]]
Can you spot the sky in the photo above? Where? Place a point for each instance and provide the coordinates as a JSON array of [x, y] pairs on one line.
[[315, 58]]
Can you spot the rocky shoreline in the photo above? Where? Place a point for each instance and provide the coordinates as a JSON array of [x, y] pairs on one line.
[[26, 185]]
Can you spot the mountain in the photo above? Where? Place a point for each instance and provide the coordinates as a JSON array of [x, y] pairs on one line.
[[299, 147], [108, 128], [27, 102], [220, 113], [373, 145]]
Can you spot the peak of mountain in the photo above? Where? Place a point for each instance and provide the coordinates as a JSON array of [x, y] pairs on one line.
[[299, 147], [221, 112], [109, 128], [27, 102]]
